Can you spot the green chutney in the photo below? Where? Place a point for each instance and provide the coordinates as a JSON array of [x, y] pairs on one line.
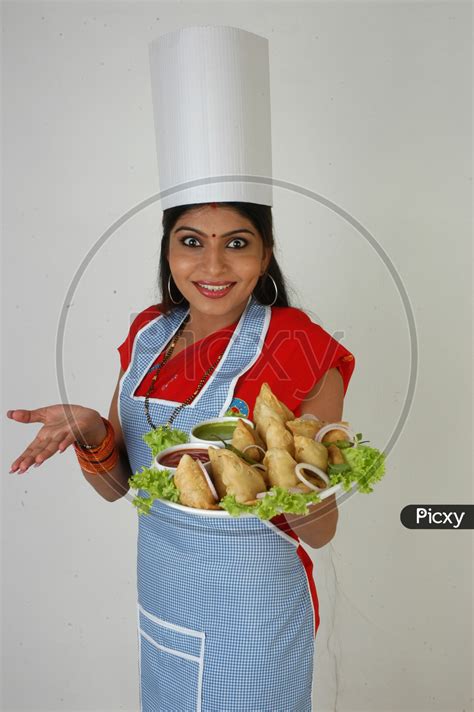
[[214, 431]]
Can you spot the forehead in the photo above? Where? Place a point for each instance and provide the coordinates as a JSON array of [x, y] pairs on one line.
[[209, 218]]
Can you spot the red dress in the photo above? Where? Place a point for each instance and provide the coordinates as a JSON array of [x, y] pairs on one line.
[[295, 356]]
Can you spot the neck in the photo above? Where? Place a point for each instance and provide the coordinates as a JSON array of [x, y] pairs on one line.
[[202, 324]]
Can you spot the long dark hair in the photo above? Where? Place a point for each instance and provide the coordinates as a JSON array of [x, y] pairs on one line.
[[261, 218]]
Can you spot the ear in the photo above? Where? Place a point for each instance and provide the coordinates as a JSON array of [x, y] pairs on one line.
[[268, 251]]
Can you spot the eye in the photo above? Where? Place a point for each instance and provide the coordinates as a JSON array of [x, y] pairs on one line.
[[189, 237], [239, 239]]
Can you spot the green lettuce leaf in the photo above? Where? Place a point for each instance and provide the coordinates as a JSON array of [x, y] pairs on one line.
[[162, 437], [156, 484], [276, 500], [364, 466]]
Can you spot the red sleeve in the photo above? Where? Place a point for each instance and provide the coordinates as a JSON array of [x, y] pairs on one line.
[[317, 351], [137, 321]]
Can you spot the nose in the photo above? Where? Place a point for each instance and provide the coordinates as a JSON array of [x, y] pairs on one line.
[[215, 260]]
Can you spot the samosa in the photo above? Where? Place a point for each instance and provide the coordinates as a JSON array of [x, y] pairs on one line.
[[193, 487], [231, 475], [244, 436], [308, 450], [281, 470], [277, 435], [268, 405]]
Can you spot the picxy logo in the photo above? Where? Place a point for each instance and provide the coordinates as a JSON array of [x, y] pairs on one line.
[[438, 516]]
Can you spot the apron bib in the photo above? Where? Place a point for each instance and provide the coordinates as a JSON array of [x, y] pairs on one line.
[[226, 616]]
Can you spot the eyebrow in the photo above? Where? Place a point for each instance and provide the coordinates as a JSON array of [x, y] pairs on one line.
[[226, 234]]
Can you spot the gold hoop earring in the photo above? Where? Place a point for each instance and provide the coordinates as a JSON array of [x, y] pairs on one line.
[[169, 292], [266, 274]]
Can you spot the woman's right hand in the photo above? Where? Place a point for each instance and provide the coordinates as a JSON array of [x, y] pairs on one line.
[[62, 425]]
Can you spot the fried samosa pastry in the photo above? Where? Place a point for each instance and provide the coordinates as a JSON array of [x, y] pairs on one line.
[[192, 485], [280, 468], [271, 400], [243, 436], [258, 439], [263, 422], [231, 475], [333, 435], [335, 455], [277, 436], [305, 427], [267, 401], [309, 427], [308, 450]]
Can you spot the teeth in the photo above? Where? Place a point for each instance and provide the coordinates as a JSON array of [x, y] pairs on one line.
[[214, 288]]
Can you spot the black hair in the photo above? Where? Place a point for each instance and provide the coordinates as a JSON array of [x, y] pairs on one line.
[[261, 218]]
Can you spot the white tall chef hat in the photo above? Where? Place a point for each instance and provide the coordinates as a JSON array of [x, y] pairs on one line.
[[211, 103]]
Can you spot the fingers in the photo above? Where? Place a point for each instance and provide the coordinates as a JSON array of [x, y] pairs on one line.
[[23, 462], [46, 452], [69, 440], [36, 453], [26, 416]]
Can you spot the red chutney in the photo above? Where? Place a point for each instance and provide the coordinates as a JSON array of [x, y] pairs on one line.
[[172, 459], [295, 355]]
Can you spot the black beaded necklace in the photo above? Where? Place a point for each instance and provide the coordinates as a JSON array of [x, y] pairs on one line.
[[157, 368]]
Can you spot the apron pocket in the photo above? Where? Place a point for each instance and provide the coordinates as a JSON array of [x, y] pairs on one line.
[[171, 665]]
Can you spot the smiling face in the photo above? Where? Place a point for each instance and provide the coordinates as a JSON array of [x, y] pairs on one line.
[[213, 247]]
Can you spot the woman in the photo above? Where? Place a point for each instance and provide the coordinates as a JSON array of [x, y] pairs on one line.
[[227, 607]]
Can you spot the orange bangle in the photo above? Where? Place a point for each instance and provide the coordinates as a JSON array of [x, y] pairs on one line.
[[100, 467], [101, 458], [109, 435]]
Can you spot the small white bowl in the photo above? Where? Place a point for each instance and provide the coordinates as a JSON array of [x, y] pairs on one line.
[[177, 448], [232, 419]]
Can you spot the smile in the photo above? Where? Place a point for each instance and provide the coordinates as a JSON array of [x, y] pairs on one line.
[[214, 290]]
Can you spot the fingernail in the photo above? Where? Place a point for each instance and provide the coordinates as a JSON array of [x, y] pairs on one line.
[[37, 464]]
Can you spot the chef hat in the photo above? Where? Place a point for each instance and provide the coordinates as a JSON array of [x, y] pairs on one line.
[[211, 103]]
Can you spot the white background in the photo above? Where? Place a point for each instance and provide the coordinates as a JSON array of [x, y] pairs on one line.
[[370, 109]]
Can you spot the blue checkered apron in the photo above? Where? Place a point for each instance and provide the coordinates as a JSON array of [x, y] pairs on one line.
[[225, 617]]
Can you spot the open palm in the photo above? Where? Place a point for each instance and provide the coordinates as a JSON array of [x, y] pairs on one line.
[[62, 425]]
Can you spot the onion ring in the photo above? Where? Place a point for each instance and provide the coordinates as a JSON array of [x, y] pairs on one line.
[[310, 416], [257, 446], [335, 426], [208, 480], [261, 495], [304, 465]]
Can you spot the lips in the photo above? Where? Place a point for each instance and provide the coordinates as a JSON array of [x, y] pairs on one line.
[[214, 284], [213, 293]]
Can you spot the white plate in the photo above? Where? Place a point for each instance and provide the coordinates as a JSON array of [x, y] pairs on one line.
[[224, 513]]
